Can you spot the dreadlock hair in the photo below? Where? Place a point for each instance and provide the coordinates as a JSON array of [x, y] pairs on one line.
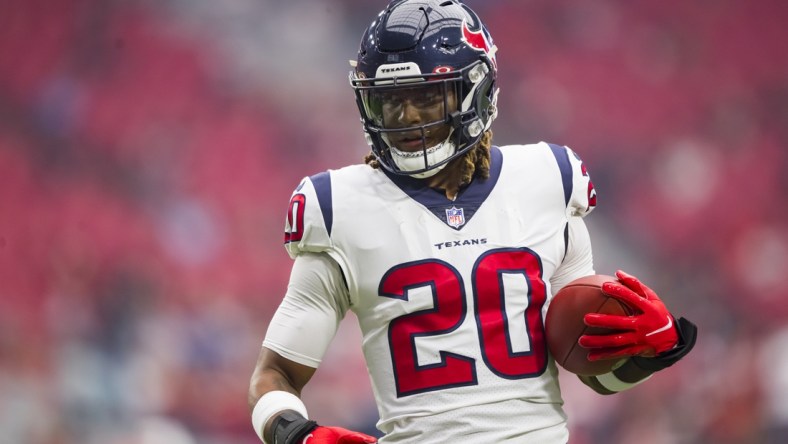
[[475, 163]]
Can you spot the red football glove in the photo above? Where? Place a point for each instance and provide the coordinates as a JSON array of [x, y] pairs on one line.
[[336, 435], [647, 333]]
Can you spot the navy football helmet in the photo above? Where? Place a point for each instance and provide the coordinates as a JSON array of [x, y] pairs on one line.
[[433, 53]]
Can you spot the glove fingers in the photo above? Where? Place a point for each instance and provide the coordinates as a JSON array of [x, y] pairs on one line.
[[613, 322], [607, 341], [623, 294], [635, 285]]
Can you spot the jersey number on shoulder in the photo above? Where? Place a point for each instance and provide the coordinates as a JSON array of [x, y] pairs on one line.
[[294, 230], [490, 289]]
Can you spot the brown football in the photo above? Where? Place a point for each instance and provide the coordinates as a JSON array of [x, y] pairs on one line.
[[564, 323]]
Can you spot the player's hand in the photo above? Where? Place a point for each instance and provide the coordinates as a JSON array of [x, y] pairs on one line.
[[336, 435], [649, 332]]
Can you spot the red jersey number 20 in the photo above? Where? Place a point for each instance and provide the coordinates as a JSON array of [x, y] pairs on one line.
[[449, 311]]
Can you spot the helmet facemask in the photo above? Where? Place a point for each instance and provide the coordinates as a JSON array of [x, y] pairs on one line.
[[448, 124]]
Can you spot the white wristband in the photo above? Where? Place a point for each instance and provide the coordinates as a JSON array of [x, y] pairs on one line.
[[612, 383], [272, 403]]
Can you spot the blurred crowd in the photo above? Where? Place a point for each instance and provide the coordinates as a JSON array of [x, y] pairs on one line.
[[148, 150]]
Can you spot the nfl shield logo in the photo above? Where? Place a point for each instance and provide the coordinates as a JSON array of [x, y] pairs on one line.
[[455, 217]]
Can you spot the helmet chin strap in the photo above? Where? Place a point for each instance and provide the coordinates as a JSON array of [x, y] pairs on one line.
[[414, 161]]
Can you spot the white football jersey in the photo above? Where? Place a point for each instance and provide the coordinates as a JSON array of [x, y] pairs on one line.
[[450, 295]]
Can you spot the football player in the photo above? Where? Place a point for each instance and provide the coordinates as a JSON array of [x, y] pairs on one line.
[[448, 250]]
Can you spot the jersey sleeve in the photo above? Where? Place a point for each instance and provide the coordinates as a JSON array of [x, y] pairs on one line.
[[310, 313], [578, 261], [580, 199], [583, 197], [310, 216]]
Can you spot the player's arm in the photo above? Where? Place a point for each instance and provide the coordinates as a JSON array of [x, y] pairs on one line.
[[578, 260], [297, 338], [277, 377], [644, 340], [652, 339]]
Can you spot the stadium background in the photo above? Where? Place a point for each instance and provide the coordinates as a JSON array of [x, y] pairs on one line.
[[148, 150]]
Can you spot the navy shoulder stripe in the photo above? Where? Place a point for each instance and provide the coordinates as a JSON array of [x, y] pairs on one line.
[[322, 184], [562, 157]]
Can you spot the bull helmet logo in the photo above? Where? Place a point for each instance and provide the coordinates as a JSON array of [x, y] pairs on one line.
[[478, 41]]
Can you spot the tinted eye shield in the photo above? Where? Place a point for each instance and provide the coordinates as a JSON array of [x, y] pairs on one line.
[[428, 98], [434, 103]]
